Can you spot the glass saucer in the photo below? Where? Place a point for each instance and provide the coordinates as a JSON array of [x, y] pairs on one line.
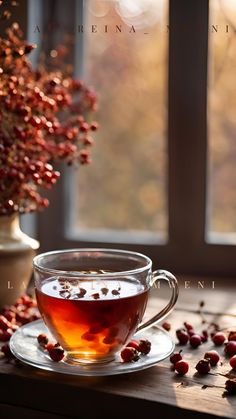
[[24, 346]]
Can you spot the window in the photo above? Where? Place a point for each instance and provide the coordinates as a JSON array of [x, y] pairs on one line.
[[222, 123], [122, 195], [185, 185]]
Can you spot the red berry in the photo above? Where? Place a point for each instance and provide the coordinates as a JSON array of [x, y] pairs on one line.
[[56, 354], [27, 300], [195, 341], [230, 386], [42, 340], [10, 315], [133, 344], [182, 336], [230, 348], [232, 362], [166, 326], [94, 126], [219, 338], [129, 354], [203, 366], [84, 127], [188, 326], [6, 350], [4, 323], [144, 346], [5, 335], [181, 367], [175, 357], [204, 336], [49, 346], [23, 317], [232, 336], [213, 357]]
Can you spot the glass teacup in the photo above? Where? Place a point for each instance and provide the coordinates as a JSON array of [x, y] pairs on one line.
[[93, 300]]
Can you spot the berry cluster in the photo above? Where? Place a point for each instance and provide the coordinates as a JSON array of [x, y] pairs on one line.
[[12, 317], [187, 334], [211, 358], [42, 120], [134, 348], [130, 353], [180, 366]]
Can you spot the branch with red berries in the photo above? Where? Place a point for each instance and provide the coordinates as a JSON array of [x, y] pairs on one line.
[[45, 117]]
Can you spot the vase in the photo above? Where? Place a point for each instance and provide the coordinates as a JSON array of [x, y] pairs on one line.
[[16, 254]]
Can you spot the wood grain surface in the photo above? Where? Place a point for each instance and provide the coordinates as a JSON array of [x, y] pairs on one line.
[[156, 391]]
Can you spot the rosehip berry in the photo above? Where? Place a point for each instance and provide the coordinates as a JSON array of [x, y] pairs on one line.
[[188, 326], [232, 362], [175, 357], [42, 340], [181, 367], [133, 344], [203, 366], [219, 338], [27, 300], [129, 354], [49, 346], [4, 323], [232, 336], [94, 126], [6, 350], [230, 348], [230, 386], [182, 336], [5, 335], [166, 326], [18, 302], [144, 346], [10, 315], [22, 318], [204, 336], [84, 127], [213, 357], [195, 341], [56, 354]]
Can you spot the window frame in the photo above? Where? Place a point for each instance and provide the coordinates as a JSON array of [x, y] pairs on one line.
[[187, 251]]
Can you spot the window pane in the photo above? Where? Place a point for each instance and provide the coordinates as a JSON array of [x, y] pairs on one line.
[[222, 121], [125, 186]]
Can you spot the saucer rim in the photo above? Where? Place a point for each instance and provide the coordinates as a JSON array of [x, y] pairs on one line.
[[84, 370]]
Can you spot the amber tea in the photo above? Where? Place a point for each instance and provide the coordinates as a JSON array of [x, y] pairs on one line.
[[92, 319]]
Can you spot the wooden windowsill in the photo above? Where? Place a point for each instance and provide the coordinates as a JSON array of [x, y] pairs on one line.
[[36, 393]]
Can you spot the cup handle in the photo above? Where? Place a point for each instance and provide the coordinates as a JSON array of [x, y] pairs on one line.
[[161, 274]]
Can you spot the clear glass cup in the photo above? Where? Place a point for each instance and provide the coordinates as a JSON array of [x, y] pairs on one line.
[[93, 300]]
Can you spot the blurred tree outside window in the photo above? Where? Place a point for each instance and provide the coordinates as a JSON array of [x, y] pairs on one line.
[[125, 187]]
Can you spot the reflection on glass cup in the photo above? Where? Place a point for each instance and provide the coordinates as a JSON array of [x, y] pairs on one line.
[[93, 300]]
